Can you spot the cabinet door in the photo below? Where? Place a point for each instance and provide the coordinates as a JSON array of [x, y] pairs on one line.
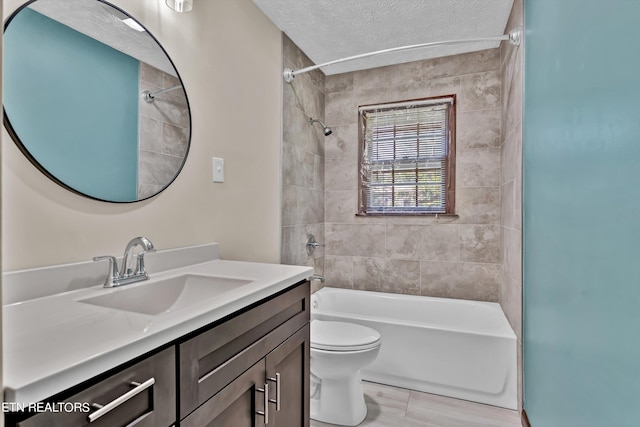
[[288, 369], [235, 405]]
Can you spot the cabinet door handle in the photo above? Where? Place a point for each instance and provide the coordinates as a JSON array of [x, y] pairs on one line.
[[277, 399], [103, 409], [265, 413]]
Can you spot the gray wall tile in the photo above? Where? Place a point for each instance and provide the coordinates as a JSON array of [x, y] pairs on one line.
[[339, 271], [460, 280], [342, 142], [339, 83], [425, 89], [175, 140], [298, 130], [293, 245], [302, 164], [340, 206], [480, 91], [512, 253], [480, 243], [318, 173], [409, 72], [163, 131], [290, 210], [511, 302], [478, 167], [305, 96], [511, 153], [355, 239], [150, 134], [295, 59], [341, 173], [298, 166], [512, 205], [478, 205], [387, 275], [478, 129], [151, 75], [410, 240], [431, 242], [341, 109], [372, 78], [312, 206], [510, 296], [157, 168], [457, 65]]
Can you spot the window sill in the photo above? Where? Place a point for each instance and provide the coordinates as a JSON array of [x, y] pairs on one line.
[[429, 215]]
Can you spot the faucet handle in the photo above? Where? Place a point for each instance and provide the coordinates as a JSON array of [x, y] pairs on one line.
[[140, 263], [113, 268]]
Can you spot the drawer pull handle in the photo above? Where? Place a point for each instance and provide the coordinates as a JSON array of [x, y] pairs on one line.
[[265, 413], [103, 409], [277, 399]]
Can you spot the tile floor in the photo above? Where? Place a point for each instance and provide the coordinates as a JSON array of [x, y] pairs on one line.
[[397, 407]]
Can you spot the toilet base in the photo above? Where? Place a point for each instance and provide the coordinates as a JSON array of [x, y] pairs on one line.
[[339, 401]]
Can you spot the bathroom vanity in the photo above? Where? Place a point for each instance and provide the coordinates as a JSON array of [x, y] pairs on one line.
[[239, 358]]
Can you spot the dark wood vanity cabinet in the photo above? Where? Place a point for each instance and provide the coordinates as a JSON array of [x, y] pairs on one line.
[[143, 395], [256, 358], [275, 378], [223, 375]]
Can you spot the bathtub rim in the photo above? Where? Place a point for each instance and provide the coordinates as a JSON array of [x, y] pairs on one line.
[[507, 333]]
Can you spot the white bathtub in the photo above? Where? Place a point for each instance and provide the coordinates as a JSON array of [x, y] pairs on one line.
[[457, 348]]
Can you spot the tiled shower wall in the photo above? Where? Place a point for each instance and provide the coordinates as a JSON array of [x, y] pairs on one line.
[[303, 163], [511, 181], [163, 131], [446, 257]]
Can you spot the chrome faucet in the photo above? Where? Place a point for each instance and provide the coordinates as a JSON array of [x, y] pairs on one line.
[[126, 275], [127, 260]]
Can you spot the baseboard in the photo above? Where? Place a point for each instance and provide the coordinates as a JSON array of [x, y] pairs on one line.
[[525, 419]]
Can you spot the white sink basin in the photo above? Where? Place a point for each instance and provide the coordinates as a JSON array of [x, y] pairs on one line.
[[166, 295]]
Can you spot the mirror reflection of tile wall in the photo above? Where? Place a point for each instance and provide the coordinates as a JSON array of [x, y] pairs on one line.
[[163, 131]]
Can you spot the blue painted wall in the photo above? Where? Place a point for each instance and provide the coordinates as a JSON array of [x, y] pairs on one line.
[[582, 213], [79, 99]]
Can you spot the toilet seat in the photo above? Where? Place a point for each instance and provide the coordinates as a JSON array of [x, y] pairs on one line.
[[342, 336]]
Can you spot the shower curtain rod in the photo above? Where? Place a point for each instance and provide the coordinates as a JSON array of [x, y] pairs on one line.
[[149, 97], [514, 38]]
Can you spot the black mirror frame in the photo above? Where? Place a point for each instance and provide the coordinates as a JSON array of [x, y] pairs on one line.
[[14, 136]]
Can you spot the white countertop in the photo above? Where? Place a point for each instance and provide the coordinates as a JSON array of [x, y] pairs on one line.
[[55, 342]]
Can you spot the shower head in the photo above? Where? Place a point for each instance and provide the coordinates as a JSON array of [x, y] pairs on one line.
[[327, 131]]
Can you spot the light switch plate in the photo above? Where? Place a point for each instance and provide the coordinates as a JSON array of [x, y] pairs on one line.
[[218, 169]]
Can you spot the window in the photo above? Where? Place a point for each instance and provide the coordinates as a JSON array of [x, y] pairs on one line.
[[407, 158]]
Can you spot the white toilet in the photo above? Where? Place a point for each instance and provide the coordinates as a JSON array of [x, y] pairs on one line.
[[338, 351]]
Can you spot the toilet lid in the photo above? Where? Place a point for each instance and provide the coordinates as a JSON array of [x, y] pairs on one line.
[[342, 336]]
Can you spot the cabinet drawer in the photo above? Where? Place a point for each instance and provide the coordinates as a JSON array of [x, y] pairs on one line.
[[143, 395], [211, 360]]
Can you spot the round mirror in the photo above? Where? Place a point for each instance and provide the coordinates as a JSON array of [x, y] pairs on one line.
[[93, 100]]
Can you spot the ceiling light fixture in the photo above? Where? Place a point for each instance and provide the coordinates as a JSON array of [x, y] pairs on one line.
[[133, 24], [180, 5]]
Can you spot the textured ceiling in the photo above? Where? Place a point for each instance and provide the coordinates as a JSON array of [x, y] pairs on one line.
[[103, 23], [331, 29]]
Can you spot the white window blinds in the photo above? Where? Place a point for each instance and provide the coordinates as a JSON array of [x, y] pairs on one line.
[[405, 157]]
